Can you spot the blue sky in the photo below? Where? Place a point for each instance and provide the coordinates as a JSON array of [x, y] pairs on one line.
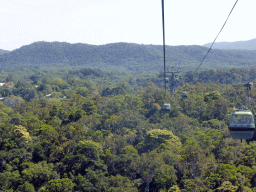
[[134, 21]]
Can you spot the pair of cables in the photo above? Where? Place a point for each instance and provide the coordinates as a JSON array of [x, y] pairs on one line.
[[208, 49]]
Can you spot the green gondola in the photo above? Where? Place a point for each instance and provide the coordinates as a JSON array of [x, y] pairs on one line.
[[241, 124], [184, 95]]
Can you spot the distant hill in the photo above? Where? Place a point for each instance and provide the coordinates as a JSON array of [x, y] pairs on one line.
[[124, 56], [247, 45], [3, 51]]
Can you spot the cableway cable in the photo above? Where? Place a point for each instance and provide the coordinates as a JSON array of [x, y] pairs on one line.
[[166, 108], [216, 37], [164, 47]]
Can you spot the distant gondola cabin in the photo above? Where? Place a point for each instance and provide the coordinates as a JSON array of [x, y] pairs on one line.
[[166, 108], [241, 124], [184, 94]]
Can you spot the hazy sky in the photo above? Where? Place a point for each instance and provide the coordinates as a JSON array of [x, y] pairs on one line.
[[99, 22]]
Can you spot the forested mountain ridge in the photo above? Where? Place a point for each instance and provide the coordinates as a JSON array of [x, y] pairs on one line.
[[124, 56], [246, 45]]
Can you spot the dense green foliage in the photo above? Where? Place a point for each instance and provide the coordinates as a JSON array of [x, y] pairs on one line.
[[123, 57], [76, 131]]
